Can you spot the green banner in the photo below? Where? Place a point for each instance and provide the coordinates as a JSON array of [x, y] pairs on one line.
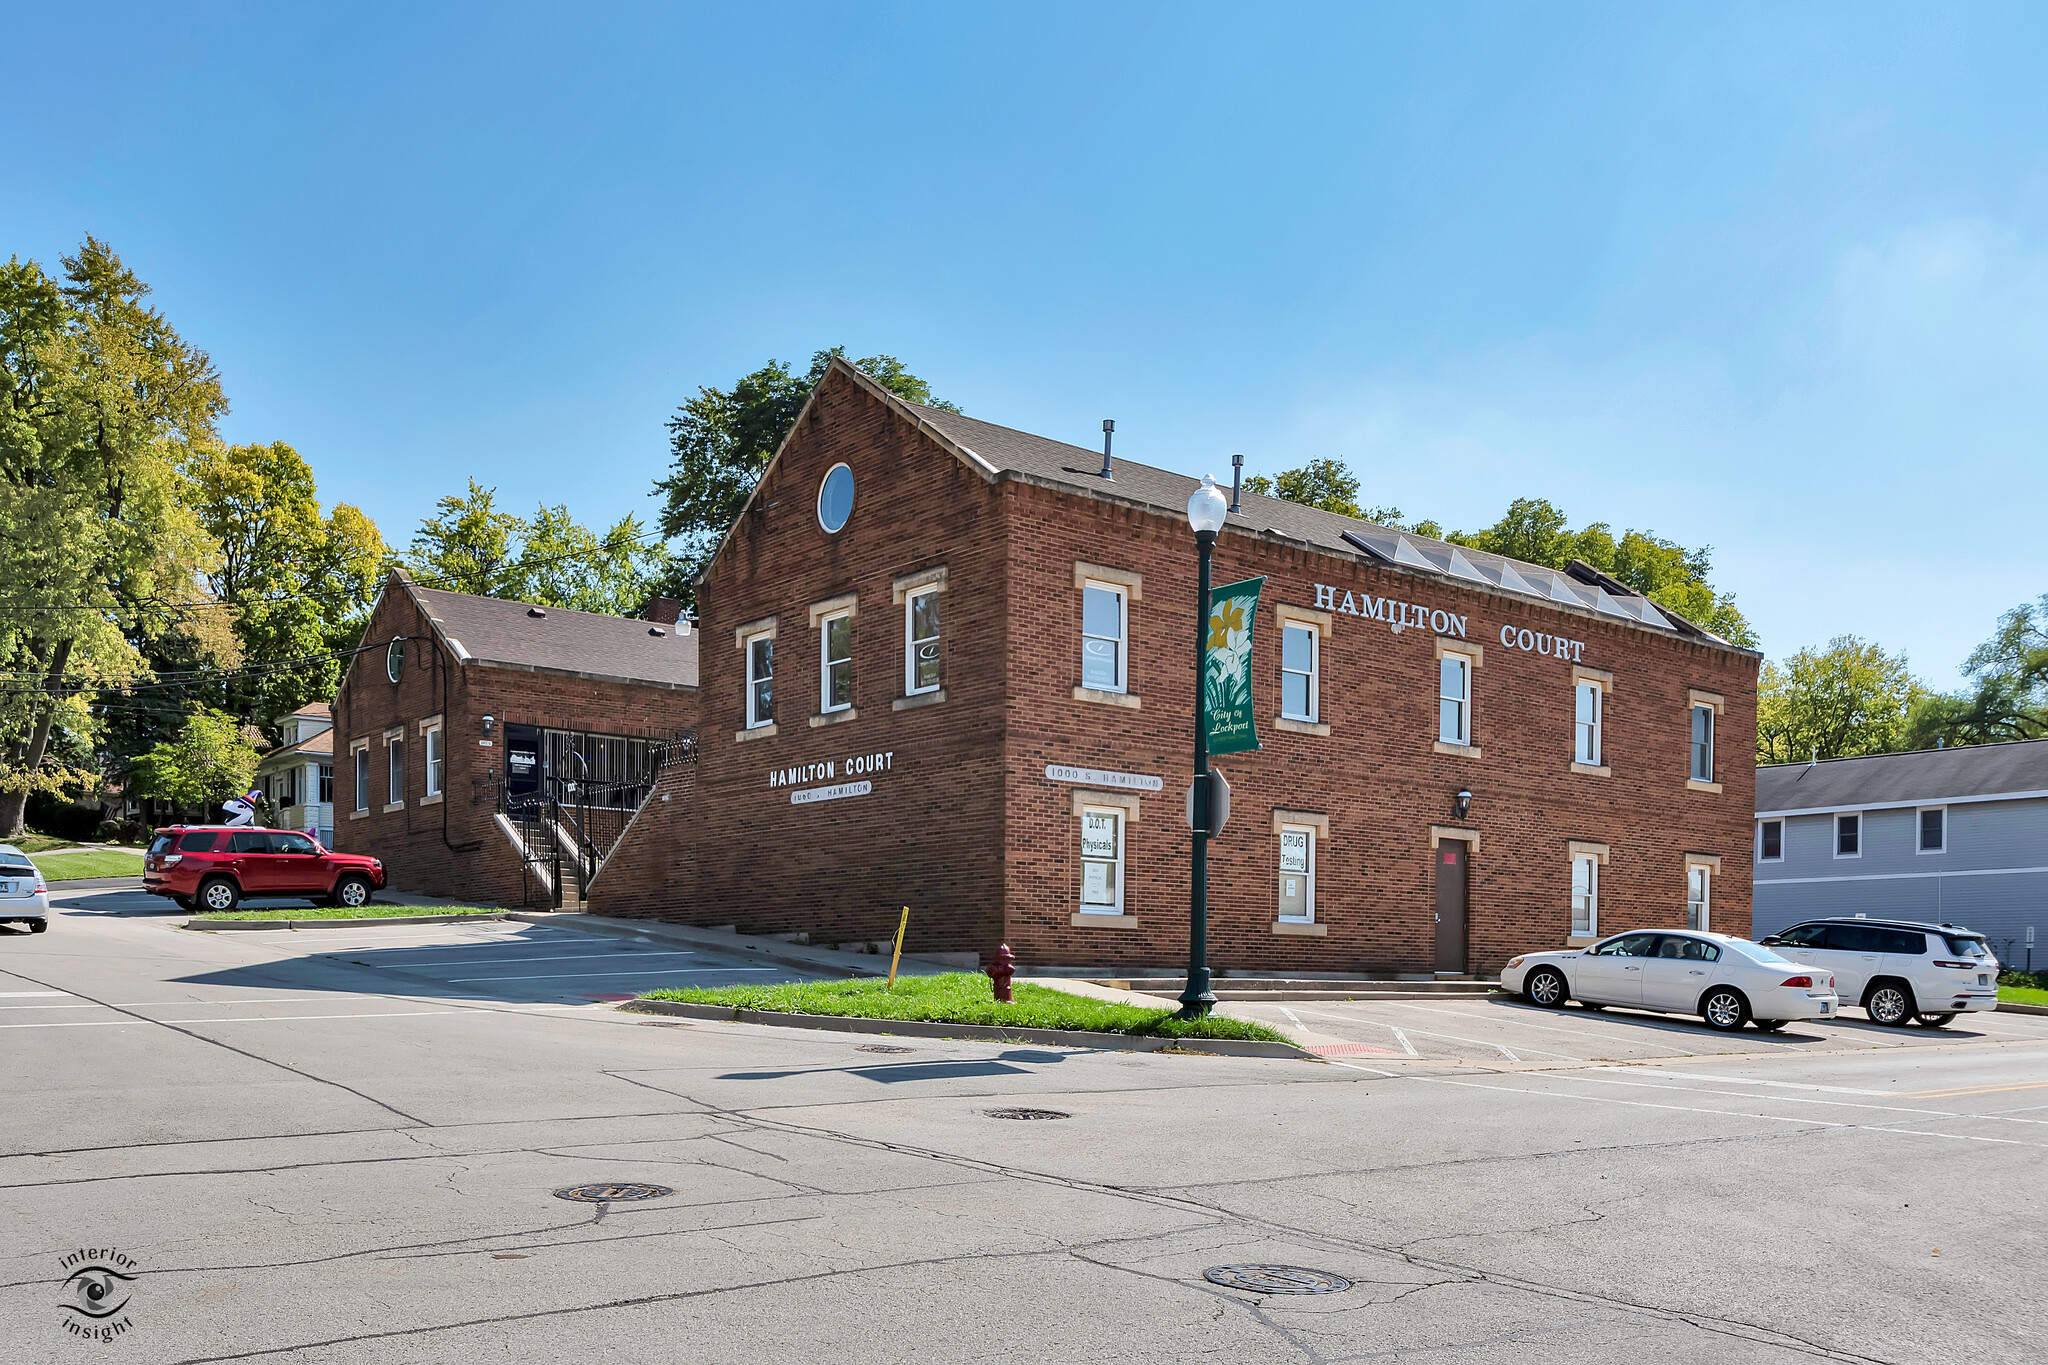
[[1227, 668]]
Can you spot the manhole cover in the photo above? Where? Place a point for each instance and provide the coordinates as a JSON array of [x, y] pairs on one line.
[[1026, 1114], [624, 1192], [882, 1047], [1276, 1279]]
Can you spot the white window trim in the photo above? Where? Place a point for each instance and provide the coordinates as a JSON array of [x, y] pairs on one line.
[[1312, 833], [1576, 849], [1315, 670], [431, 729], [1123, 815], [1471, 669], [747, 666], [1713, 745], [1918, 814], [824, 622], [1125, 594], [394, 767], [1599, 726], [1592, 929], [1711, 865], [1835, 833], [1781, 841], [910, 600], [358, 773]]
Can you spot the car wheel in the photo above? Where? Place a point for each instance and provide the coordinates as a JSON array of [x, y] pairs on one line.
[[219, 895], [37, 926], [352, 892], [1547, 988], [1936, 1020], [1889, 1004], [1768, 1025], [1724, 1009]]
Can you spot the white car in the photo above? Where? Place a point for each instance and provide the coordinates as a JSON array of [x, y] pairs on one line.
[[1725, 981], [24, 898], [1898, 970]]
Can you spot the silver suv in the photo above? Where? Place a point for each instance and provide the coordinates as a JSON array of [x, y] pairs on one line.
[[1898, 970]]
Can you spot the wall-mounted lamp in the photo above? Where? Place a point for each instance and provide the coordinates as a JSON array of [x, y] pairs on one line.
[[488, 722], [1464, 802]]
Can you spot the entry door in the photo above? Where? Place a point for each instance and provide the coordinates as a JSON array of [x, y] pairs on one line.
[[522, 760], [1450, 907]]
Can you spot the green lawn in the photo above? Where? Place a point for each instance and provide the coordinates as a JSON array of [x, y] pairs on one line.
[[965, 998], [69, 867], [2021, 995], [371, 911], [37, 843]]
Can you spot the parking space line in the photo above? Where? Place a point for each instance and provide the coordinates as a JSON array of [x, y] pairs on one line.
[[1402, 1037], [22, 995], [585, 976], [1584, 1031], [49, 1007], [1975, 1090], [1406, 1046], [562, 957]]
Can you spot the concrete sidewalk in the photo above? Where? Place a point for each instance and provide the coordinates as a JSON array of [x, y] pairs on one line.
[[824, 961]]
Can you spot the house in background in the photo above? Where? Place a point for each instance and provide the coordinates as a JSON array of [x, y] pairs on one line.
[[1957, 836], [298, 775]]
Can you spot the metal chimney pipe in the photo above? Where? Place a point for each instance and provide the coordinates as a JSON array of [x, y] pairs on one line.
[[1236, 479], [1108, 430]]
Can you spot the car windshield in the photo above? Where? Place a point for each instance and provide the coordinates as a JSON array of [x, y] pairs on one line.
[[1756, 952], [1966, 945], [11, 868]]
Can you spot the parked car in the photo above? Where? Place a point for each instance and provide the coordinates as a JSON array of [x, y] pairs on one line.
[[24, 897], [1725, 981], [1898, 970], [214, 867]]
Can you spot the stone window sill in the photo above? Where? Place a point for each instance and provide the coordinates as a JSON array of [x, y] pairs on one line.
[[433, 800], [835, 717], [1124, 699], [1593, 769], [1302, 727], [357, 814], [1458, 750], [1693, 784], [917, 699], [1581, 940], [395, 805], [1295, 928], [1085, 919], [757, 732]]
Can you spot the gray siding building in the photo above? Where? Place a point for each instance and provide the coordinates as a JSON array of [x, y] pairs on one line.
[[1946, 835]]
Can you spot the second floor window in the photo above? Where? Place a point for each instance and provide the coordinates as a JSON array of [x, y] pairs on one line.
[[1770, 841], [395, 759], [1104, 657], [1586, 724], [760, 681], [921, 642], [835, 666], [1703, 744], [326, 783], [1454, 700], [1298, 669], [1849, 836]]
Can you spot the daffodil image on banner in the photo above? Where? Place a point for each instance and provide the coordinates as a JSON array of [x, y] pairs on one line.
[[1227, 668]]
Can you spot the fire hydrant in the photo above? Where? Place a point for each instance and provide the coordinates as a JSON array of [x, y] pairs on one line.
[[1000, 969]]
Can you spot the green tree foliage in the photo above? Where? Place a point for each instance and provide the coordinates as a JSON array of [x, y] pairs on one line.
[[2009, 696], [723, 438], [100, 400], [1538, 532], [1849, 699], [552, 559], [208, 761], [299, 583]]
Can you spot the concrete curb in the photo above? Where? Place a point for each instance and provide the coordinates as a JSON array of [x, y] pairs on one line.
[[797, 955], [366, 921], [2014, 1007], [922, 1028]]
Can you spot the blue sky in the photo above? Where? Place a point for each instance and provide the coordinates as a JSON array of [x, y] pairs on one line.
[[1771, 278]]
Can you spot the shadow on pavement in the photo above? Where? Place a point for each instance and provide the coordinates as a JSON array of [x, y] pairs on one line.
[[889, 1073]]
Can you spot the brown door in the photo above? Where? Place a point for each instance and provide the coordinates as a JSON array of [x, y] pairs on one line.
[[1450, 907]]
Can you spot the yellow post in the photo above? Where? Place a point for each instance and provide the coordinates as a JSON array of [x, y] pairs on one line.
[[897, 956]]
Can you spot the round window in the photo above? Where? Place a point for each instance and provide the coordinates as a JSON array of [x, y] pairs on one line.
[[835, 498], [394, 660]]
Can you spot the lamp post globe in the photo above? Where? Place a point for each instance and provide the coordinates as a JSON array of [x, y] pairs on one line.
[[1206, 510]]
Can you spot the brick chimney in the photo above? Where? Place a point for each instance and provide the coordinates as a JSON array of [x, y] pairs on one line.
[[663, 611]]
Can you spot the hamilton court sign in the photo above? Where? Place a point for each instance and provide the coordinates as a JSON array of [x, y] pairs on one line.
[[1401, 615]]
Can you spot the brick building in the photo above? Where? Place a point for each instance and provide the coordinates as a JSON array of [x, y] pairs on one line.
[[478, 741], [950, 665]]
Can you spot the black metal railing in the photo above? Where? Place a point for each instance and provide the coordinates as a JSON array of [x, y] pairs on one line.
[[589, 817]]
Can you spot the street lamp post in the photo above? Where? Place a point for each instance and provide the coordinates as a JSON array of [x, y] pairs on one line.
[[1206, 510]]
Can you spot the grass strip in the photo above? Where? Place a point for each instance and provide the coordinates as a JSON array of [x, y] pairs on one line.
[[965, 998], [2022, 995], [97, 862], [371, 911], [40, 843]]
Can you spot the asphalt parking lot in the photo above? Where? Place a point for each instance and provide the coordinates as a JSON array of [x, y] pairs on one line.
[[349, 1148]]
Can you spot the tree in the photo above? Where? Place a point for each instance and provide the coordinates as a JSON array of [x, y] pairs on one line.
[[99, 399], [208, 762], [469, 547], [553, 559], [723, 438], [2010, 697], [1848, 699], [1323, 483]]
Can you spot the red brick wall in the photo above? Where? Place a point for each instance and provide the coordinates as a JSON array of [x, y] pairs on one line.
[[929, 835], [1376, 775], [415, 842]]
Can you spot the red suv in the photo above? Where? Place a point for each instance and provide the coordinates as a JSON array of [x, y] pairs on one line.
[[212, 867]]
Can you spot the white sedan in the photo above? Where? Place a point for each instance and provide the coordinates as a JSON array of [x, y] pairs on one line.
[[1725, 981], [24, 899]]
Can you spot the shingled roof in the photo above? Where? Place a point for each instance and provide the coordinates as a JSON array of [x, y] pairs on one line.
[[1004, 452], [1923, 777], [498, 633]]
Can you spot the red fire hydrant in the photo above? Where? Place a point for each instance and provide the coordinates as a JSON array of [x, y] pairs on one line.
[[1000, 969]]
